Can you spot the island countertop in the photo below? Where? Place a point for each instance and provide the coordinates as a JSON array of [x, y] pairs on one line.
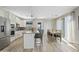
[[29, 32]]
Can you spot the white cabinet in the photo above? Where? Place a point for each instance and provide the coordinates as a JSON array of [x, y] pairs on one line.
[[16, 36], [2, 12], [12, 18], [28, 40]]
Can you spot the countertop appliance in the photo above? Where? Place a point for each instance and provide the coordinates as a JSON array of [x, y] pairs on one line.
[[4, 32]]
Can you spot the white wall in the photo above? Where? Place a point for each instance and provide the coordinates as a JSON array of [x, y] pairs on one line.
[[76, 25]]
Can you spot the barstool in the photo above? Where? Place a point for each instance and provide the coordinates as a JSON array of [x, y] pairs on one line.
[[38, 35]]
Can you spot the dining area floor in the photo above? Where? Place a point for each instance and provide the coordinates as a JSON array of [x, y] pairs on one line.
[[46, 46]]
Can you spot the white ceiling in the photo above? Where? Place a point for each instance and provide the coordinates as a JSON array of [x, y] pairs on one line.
[[39, 11]]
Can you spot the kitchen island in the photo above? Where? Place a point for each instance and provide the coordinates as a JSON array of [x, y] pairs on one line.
[[28, 37]]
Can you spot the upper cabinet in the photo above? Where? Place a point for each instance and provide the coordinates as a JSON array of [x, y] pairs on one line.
[[12, 18], [4, 13]]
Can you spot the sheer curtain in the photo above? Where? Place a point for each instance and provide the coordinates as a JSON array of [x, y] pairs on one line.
[[69, 28]]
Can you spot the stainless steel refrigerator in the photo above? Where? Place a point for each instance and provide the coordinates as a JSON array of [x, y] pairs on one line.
[[4, 32]]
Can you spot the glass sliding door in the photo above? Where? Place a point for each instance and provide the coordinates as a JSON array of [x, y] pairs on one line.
[[60, 26]]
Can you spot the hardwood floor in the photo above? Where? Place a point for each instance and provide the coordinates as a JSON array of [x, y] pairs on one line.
[[15, 46], [56, 46]]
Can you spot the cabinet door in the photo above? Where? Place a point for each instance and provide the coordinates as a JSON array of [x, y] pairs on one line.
[[4, 42], [28, 41]]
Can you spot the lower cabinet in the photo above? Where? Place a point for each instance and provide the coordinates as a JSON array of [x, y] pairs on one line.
[[28, 40], [5, 41]]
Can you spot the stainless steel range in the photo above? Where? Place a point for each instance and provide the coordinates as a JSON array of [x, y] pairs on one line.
[[4, 32]]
